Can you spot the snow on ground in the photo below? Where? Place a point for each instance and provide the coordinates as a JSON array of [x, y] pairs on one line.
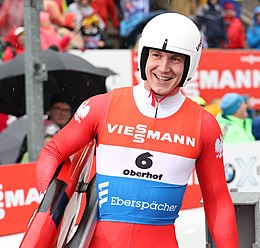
[[190, 229]]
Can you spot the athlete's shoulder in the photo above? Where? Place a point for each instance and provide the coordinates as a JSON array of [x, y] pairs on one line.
[[209, 118], [122, 90], [102, 98], [98, 104], [125, 88], [210, 129], [194, 108]]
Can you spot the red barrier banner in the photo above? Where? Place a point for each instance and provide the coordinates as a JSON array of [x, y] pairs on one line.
[[222, 71], [19, 197]]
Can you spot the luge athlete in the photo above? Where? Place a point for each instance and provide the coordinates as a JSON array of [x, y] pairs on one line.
[[149, 139]]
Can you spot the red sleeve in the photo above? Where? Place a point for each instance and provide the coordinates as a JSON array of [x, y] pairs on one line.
[[242, 36], [219, 209], [82, 129], [7, 54], [64, 42], [113, 13]]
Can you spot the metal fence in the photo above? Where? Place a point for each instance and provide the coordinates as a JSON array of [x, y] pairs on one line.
[[247, 206]]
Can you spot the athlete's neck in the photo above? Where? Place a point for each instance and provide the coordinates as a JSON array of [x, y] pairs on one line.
[[166, 108]]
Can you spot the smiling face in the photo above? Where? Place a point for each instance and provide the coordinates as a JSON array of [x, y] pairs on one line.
[[164, 72]]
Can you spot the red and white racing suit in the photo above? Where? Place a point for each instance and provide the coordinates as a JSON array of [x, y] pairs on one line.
[[143, 165]]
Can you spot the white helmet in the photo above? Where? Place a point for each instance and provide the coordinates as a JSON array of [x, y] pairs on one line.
[[174, 33]]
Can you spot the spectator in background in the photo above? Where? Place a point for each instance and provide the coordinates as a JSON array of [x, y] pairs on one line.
[[14, 44], [93, 37], [236, 3], [11, 16], [49, 36], [235, 125], [249, 108], [55, 10], [84, 13], [50, 131], [134, 12], [62, 4], [198, 99], [210, 20], [235, 28], [256, 127], [164, 5], [71, 29], [201, 2], [59, 113], [135, 15], [106, 10], [213, 107], [185, 7], [109, 12], [82, 9], [253, 32]]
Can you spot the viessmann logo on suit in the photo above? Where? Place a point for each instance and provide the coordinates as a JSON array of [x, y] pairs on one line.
[[140, 133]]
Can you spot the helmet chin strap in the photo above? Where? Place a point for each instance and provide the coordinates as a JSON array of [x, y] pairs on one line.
[[155, 100]]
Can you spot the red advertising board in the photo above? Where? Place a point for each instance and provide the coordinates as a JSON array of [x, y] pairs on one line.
[[19, 197], [222, 71]]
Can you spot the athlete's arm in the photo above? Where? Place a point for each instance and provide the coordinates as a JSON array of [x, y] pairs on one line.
[[219, 209], [82, 129]]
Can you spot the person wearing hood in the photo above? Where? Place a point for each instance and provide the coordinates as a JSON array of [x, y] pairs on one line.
[[253, 32], [236, 3], [49, 35], [235, 28], [15, 44], [256, 127], [150, 138], [209, 18], [235, 125]]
